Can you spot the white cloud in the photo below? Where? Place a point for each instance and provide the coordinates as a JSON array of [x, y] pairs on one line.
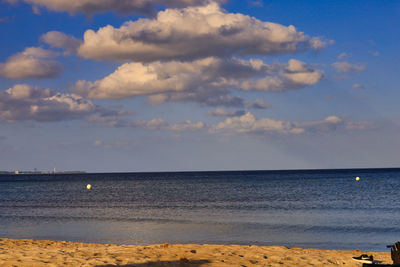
[[100, 6], [362, 125], [33, 62], [375, 53], [194, 32], [154, 124], [219, 112], [237, 122], [257, 104], [208, 81], [213, 97], [344, 55], [358, 86], [330, 123], [113, 144], [249, 124], [257, 3], [134, 79], [61, 40], [112, 120], [345, 66], [296, 75], [186, 126], [36, 10], [318, 43], [278, 77], [26, 102]]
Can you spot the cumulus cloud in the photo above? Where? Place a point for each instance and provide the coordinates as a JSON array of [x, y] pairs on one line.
[[318, 43], [33, 62], [258, 104], [61, 40], [237, 122], [206, 97], [90, 7], [344, 55], [295, 75], [208, 81], [345, 66], [26, 102], [328, 124], [193, 32], [219, 112], [249, 124]]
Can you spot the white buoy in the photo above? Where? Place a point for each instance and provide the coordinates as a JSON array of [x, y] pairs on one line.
[[89, 186], [357, 178]]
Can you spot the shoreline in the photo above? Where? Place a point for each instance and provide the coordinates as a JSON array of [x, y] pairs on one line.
[[29, 252]]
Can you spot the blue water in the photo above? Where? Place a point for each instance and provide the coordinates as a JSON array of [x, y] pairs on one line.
[[324, 209]]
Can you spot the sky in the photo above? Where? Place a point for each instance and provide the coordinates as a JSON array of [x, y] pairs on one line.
[[195, 85]]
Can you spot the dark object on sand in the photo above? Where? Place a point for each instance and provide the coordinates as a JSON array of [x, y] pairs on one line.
[[364, 258], [395, 253]]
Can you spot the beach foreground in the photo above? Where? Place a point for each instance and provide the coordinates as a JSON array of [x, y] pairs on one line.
[[27, 252]]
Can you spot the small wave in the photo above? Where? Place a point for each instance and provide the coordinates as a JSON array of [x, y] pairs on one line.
[[354, 229], [88, 218]]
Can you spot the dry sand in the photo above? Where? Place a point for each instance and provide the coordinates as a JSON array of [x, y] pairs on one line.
[[26, 252]]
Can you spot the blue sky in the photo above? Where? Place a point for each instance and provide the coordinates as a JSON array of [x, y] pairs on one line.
[[196, 85]]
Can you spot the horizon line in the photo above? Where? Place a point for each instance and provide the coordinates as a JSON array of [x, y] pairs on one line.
[[198, 171]]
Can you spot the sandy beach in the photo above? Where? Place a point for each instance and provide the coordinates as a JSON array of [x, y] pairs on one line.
[[27, 252]]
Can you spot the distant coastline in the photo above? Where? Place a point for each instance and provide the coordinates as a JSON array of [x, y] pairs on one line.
[[40, 172], [324, 170]]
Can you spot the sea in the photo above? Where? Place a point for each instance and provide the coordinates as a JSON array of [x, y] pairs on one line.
[[324, 209]]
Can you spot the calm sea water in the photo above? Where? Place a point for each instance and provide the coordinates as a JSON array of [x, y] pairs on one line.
[[324, 209]]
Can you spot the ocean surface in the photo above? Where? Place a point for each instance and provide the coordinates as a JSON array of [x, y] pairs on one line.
[[325, 209]]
